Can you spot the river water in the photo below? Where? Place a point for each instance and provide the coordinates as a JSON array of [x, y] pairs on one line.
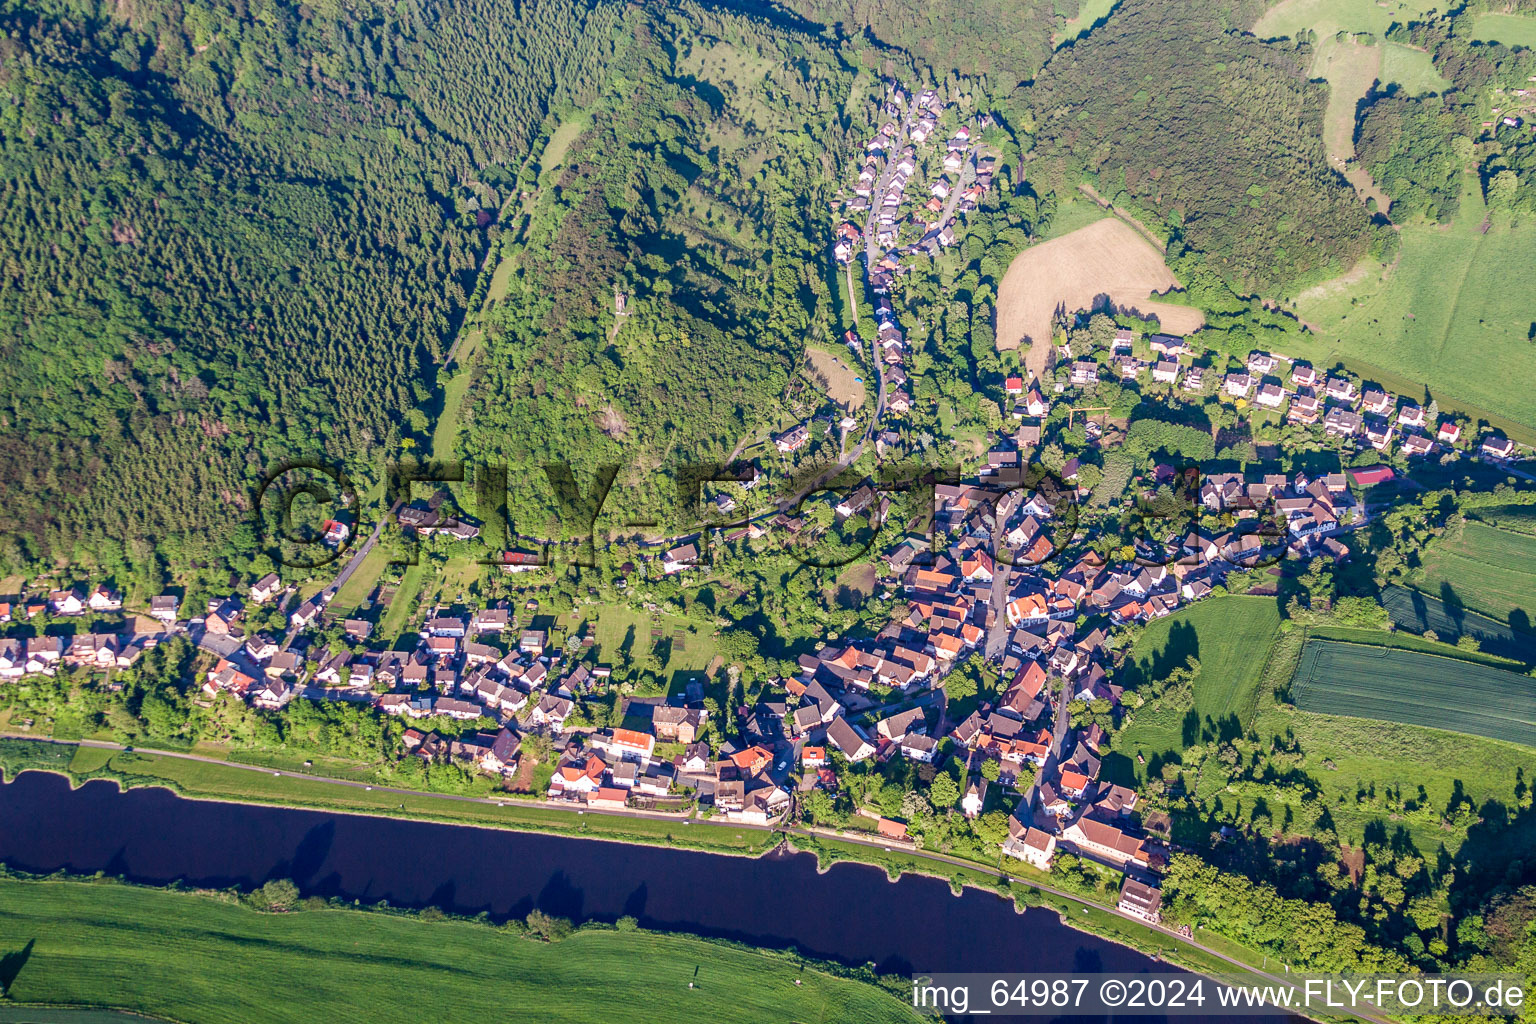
[[851, 913]]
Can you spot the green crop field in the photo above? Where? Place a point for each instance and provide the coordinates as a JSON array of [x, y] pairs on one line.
[[1419, 612], [1359, 681], [1414, 613], [1519, 518], [1481, 567], [1444, 314], [1509, 29], [205, 959], [1231, 637]]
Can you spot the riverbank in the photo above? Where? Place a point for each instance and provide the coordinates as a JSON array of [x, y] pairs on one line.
[[202, 780], [207, 957]]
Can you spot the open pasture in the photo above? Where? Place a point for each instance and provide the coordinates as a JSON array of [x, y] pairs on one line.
[[1449, 316], [1231, 638], [1509, 29]]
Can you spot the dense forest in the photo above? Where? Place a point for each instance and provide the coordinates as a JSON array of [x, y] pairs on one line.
[[243, 233], [697, 192], [235, 236], [1211, 131], [1410, 148], [1004, 42]]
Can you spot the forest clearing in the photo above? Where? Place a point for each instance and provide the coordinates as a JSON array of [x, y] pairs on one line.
[[1105, 260], [834, 376]]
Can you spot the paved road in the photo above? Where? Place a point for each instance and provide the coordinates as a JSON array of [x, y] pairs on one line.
[[1507, 468], [505, 802], [329, 591], [997, 607], [967, 174]]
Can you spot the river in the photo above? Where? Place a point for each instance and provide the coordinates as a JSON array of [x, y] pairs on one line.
[[850, 913]]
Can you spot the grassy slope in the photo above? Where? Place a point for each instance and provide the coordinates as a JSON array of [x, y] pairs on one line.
[[1410, 68], [1351, 68], [1073, 214], [1231, 637], [1509, 29], [1448, 297], [1490, 570], [1445, 313], [361, 583], [404, 603], [196, 958], [1409, 642], [1346, 755]]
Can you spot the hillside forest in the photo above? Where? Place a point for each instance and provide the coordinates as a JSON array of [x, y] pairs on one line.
[[244, 232]]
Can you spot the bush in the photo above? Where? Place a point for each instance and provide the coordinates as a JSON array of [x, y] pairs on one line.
[[277, 896], [547, 928]]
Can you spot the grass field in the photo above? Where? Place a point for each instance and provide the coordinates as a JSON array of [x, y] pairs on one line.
[[361, 583], [1354, 680], [612, 628], [1088, 12], [840, 380], [1351, 69], [1519, 518], [200, 958], [1444, 315], [1231, 637], [1108, 258], [1509, 29], [1410, 68], [400, 608], [1350, 756], [1073, 214], [1487, 569]]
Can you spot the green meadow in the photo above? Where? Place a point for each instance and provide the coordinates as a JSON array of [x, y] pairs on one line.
[[1392, 63], [206, 958], [1358, 764], [1231, 637], [1444, 321], [1489, 570], [1509, 29]]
